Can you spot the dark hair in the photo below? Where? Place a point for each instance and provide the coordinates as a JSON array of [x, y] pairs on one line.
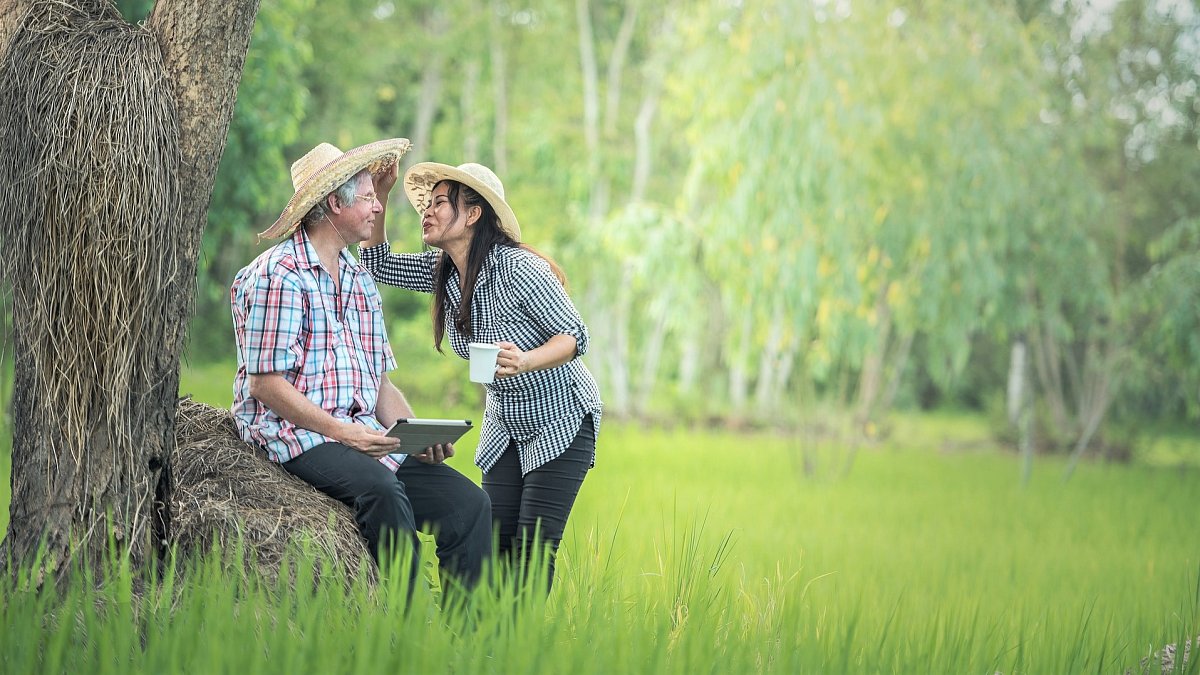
[[487, 234]]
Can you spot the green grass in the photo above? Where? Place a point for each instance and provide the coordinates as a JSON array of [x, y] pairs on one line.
[[693, 550]]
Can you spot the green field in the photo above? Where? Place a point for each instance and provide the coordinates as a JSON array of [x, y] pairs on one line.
[[694, 550]]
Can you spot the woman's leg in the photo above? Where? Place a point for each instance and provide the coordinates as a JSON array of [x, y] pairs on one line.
[[503, 485], [548, 495]]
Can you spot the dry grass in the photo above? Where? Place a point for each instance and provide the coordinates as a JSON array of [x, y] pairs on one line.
[[226, 491]]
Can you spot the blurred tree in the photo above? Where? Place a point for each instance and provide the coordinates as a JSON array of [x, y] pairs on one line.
[[1128, 107], [253, 182]]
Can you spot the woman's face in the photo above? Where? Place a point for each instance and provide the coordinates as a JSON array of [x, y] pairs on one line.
[[441, 226]]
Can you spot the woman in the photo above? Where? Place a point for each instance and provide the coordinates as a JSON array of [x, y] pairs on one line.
[[538, 436]]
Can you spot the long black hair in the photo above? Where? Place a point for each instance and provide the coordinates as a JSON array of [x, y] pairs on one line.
[[486, 234]]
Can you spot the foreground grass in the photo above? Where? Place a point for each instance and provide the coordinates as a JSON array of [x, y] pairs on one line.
[[701, 551]]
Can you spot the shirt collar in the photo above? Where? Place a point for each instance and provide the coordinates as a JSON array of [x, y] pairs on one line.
[[306, 255], [307, 258]]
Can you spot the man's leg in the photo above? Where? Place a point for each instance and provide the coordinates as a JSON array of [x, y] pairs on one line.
[[549, 494], [381, 506], [457, 511]]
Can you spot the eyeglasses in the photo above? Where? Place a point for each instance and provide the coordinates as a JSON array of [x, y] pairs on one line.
[[369, 197]]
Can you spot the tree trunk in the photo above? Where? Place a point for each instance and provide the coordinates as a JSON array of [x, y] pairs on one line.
[[898, 361], [736, 356], [619, 356], [92, 440], [429, 99], [651, 357], [616, 67], [10, 13], [1100, 365], [1016, 380], [470, 110], [499, 93], [768, 361], [591, 111], [1049, 372], [870, 381]]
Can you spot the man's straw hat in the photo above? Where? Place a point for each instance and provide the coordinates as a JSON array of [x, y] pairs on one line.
[[323, 169], [421, 177]]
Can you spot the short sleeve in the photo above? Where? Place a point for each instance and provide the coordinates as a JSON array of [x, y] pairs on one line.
[[546, 302], [274, 323]]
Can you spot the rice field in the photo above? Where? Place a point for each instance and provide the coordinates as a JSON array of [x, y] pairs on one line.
[[692, 550]]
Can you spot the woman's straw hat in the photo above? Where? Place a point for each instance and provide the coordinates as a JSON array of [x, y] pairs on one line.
[[323, 169], [421, 177]]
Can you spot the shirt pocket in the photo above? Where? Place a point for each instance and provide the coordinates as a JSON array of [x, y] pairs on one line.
[[362, 334]]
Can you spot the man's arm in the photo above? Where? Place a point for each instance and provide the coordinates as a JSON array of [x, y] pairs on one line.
[[275, 392], [391, 404]]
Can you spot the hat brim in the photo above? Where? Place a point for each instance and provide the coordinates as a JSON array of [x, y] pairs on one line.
[[421, 177], [376, 157]]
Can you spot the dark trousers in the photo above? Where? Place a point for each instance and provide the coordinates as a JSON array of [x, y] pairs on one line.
[[538, 502], [390, 507]]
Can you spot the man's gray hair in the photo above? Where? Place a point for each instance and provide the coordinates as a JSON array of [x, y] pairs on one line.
[[344, 195]]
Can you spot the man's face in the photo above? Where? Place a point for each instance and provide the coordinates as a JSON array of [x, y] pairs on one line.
[[355, 220]]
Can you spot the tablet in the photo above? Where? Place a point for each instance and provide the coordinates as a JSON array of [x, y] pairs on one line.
[[416, 434]]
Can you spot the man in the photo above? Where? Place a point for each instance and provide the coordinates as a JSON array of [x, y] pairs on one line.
[[312, 385]]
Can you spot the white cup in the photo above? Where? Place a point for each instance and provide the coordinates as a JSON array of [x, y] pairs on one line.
[[483, 362]]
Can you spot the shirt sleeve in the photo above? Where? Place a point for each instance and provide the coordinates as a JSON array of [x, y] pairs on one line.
[[413, 271], [546, 302], [274, 323]]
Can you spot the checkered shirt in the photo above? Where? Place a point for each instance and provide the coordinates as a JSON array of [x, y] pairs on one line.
[[288, 318], [517, 299]]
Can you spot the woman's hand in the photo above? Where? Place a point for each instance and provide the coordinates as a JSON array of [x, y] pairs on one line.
[[511, 360], [384, 182]]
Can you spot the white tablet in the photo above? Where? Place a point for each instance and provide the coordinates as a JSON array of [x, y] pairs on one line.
[[416, 434]]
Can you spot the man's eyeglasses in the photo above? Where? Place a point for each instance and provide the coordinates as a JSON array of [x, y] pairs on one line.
[[369, 197]]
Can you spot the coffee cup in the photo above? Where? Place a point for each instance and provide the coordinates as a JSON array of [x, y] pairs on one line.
[[483, 361]]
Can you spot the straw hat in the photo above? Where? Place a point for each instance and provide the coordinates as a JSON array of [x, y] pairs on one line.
[[421, 177], [323, 169]]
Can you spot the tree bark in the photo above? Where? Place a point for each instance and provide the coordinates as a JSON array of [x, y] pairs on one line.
[[10, 13], [74, 490]]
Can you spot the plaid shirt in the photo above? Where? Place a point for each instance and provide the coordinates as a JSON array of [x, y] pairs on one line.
[[288, 318], [517, 299]]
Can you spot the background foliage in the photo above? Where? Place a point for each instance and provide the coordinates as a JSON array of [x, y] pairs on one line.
[[762, 205]]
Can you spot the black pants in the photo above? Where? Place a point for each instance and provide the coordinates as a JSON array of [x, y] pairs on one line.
[[540, 501], [389, 507]]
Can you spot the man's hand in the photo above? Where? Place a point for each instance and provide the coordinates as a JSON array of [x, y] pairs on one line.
[[436, 454], [371, 442]]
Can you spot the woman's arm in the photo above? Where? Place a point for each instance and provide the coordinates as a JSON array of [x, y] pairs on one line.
[[413, 271], [555, 352], [383, 188]]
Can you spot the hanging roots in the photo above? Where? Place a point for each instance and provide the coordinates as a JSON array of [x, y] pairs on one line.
[[89, 213]]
